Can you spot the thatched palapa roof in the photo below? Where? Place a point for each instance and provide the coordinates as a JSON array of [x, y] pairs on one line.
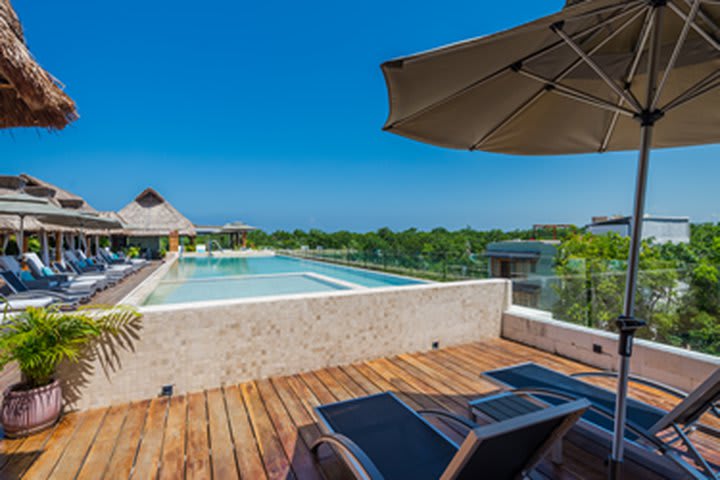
[[29, 96], [150, 215]]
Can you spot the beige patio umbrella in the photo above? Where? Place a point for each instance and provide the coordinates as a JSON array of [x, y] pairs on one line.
[[599, 75]]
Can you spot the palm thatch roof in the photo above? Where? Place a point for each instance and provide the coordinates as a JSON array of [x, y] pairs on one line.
[[29, 96], [150, 215]]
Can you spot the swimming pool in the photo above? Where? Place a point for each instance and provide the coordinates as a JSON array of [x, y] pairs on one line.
[[193, 279]]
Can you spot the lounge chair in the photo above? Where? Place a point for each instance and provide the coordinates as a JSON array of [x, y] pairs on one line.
[[83, 266], [40, 272], [112, 257], [18, 287], [66, 269], [648, 427], [22, 299], [124, 269], [380, 437], [20, 302]]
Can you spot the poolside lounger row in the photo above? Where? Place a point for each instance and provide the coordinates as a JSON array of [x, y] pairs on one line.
[[64, 284]]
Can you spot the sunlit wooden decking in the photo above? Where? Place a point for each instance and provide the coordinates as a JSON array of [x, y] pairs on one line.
[[264, 429]]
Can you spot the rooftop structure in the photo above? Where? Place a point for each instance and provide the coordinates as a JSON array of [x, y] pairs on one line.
[[662, 229]]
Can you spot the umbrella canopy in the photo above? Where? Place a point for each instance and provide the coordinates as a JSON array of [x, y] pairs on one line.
[[22, 205], [599, 75], [530, 90]]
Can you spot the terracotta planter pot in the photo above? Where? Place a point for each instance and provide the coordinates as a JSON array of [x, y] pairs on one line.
[[28, 411]]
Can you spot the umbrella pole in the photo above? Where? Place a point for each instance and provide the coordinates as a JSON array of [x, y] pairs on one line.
[[21, 235], [627, 324]]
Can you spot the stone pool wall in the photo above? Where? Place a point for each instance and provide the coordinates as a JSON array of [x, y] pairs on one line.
[[204, 345]]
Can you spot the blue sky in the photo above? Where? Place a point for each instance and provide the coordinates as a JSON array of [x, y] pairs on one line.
[[270, 112]]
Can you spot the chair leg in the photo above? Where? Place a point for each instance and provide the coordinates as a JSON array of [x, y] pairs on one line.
[[556, 453]]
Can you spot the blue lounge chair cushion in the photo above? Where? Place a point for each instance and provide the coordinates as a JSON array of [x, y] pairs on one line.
[[90, 262], [26, 276], [47, 271], [114, 256], [82, 263]]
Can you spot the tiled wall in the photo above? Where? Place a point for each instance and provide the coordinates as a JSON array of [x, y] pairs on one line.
[[673, 366], [217, 343]]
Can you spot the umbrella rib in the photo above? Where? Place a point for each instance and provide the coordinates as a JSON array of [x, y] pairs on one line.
[[576, 94], [540, 93], [704, 16], [698, 29], [626, 94], [625, 10], [630, 76], [698, 89], [676, 52]]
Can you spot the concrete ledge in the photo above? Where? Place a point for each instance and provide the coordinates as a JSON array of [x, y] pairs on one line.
[[673, 366], [199, 346]]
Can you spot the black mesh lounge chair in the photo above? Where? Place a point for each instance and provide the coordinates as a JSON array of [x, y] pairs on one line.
[[649, 427], [380, 437]]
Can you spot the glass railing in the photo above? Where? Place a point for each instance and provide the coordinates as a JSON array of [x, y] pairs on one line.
[[680, 305]]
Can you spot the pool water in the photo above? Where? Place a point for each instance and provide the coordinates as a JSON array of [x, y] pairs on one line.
[[193, 279]]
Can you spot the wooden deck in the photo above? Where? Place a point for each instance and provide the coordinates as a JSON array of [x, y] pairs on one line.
[[114, 294], [264, 429]]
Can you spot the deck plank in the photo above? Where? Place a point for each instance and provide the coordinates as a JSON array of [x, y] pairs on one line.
[[23, 454], [72, 459], [148, 456], [198, 444], [221, 443], [172, 459], [55, 446], [300, 401], [97, 458], [123, 457], [246, 449], [276, 462], [295, 449]]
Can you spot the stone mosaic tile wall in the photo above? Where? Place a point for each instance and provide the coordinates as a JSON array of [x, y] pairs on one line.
[[217, 343]]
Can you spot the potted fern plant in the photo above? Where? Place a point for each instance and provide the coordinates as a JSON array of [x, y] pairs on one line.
[[38, 339]]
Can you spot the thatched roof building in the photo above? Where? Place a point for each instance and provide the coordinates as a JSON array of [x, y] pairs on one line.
[[150, 215], [29, 96]]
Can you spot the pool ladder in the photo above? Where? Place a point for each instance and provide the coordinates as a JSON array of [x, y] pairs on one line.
[[210, 247]]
